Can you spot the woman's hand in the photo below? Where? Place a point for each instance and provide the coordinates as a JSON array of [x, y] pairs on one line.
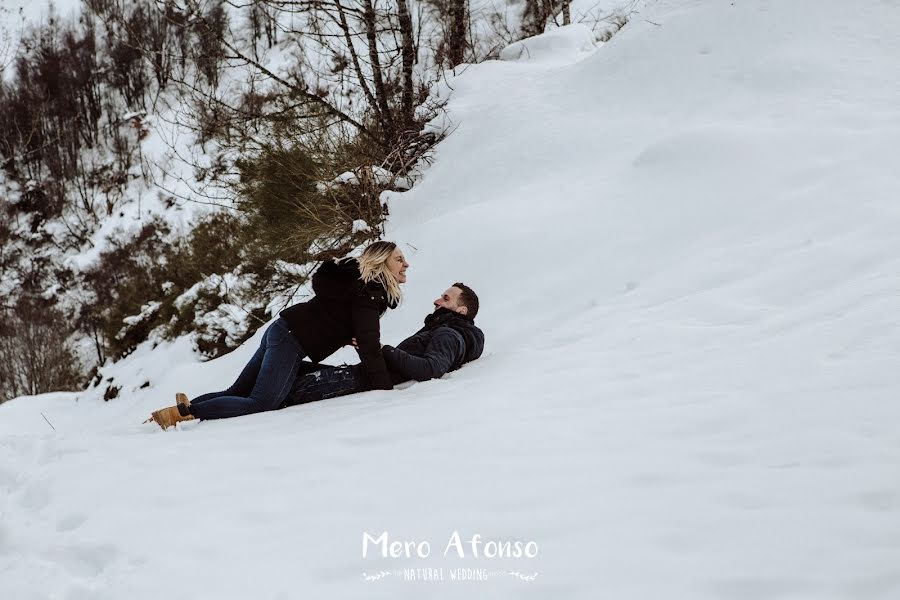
[[355, 345]]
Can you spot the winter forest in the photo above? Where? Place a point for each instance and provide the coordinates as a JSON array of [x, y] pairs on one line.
[[175, 167]]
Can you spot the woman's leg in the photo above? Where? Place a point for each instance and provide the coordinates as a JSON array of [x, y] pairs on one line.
[[277, 370], [245, 381]]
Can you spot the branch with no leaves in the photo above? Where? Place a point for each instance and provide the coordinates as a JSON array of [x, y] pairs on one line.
[[48, 422]]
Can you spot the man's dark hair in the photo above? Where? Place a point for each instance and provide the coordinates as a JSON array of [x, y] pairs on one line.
[[468, 298]]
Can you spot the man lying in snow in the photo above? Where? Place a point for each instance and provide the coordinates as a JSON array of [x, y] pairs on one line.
[[448, 340]]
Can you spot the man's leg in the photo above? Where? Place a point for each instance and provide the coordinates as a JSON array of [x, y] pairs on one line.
[[277, 371], [327, 383]]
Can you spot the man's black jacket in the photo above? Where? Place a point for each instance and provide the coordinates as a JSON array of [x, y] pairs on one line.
[[446, 342]]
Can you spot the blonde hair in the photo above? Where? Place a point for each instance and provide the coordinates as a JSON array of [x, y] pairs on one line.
[[373, 266]]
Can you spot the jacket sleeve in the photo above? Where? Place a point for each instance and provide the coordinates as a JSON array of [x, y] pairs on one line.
[[367, 331], [445, 350]]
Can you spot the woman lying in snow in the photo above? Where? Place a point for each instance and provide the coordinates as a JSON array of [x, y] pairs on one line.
[[448, 340], [351, 295]]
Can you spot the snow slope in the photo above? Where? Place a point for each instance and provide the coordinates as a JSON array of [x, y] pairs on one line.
[[685, 246]]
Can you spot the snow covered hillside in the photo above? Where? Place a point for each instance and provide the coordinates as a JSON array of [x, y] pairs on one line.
[[685, 243]]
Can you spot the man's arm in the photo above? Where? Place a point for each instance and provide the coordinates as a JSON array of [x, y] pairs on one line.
[[445, 349]]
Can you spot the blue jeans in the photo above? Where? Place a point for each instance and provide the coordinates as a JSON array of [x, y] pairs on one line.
[[263, 384]]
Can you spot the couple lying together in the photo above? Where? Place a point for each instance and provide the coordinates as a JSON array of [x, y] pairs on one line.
[[351, 295]]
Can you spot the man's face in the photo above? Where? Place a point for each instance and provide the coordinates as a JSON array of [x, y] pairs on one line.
[[450, 299]]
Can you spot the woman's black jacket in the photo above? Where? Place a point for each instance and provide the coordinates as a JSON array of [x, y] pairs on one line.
[[343, 308]]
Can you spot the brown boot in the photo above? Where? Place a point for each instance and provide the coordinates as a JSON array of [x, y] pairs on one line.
[[168, 417], [183, 400]]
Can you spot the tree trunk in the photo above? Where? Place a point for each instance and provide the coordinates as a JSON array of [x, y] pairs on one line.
[[369, 18], [408, 53], [456, 52]]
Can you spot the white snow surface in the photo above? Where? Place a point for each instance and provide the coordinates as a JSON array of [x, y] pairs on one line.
[[563, 45], [686, 250]]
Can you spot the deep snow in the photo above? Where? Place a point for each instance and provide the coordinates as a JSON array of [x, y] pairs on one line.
[[686, 247]]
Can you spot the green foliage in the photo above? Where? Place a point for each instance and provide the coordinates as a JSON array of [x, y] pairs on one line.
[[294, 214], [277, 192], [214, 246], [125, 278], [143, 276]]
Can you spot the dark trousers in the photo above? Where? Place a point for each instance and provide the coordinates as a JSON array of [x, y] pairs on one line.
[[265, 382], [327, 382]]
